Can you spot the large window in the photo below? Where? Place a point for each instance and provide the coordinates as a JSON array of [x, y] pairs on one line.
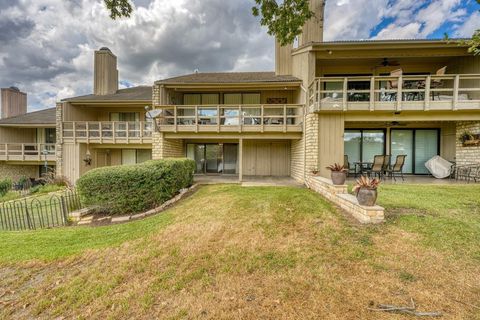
[[361, 145], [133, 156], [419, 145], [125, 116]]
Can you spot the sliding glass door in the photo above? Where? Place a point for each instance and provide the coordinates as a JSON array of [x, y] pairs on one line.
[[362, 145], [419, 145], [213, 158]]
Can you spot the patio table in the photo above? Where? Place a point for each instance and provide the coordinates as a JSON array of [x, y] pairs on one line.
[[362, 166]]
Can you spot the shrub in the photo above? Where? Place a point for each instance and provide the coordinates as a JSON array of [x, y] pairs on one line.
[[135, 188], [5, 186]]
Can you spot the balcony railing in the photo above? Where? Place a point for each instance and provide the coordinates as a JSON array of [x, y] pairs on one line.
[[108, 131], [231, 118], [27, 152], [396, 93]]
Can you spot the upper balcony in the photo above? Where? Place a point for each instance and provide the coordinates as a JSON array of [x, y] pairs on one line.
[[27, 152], [396, 93], [231, 118], [108, 131]]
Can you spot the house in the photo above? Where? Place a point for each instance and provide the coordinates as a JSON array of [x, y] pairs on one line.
[[27, 140], [323, 101]]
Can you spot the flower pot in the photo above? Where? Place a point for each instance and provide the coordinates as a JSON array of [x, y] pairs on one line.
[[367, 197], [338, 177]]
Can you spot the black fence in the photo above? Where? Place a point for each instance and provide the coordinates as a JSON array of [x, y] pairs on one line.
[[40, 212]]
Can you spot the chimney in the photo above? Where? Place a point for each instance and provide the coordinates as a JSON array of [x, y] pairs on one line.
[[105, 78], [13, 102], [312, 31]]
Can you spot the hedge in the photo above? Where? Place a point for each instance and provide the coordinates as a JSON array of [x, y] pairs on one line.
[[5, 186], [135, 188]]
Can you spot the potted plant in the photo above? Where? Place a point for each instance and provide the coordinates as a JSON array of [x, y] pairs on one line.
[[314, 171], [338, 173], [366, 191], [466, 136]]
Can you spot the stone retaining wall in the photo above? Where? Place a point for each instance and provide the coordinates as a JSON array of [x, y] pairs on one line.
[[340, 196], [468, 154]]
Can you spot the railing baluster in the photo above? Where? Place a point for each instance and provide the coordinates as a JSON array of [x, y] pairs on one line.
[[218, 118], [175, 115], [284, 118], [262, 115], [344, 94], [196, 118], [428, 82], [87, 127], [399, 93], [128, 131], [372, 94], [456, 85]]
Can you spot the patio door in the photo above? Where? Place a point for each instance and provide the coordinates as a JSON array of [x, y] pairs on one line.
[[214, 158], [418, 144]]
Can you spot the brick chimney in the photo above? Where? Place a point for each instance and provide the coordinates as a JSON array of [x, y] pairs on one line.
[[105, 79], [13, 102], [312, 31]]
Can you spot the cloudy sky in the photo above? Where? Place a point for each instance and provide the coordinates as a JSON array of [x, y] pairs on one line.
[[46, 46]]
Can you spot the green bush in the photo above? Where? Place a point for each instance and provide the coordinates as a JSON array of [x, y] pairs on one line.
[[5, 186], [135, 188]]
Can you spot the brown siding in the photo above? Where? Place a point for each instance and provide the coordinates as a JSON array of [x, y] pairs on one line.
[[331, 129], [12, 102]]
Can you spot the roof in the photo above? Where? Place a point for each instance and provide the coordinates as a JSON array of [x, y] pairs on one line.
[[42, 117], [230, 77], [391, 42], [140, 93]]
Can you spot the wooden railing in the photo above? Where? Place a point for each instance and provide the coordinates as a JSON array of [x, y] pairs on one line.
[[27, 152], [108, 131], [389, 93], [231, 118]]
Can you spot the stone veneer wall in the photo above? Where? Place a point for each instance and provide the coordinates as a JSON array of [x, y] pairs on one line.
[[166, 148], [59, 144], [304, 152], [471, 154], [15, 172], [297, 159]]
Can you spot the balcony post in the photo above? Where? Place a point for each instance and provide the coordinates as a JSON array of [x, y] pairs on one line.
[[399, 93], [74, 124], [428, 82], [6, 151], [101, 131], [88, 131], [240, 118], [240, 159], [114, 134], [196, 118], [284, 118], [372, 94], [218, 118], [262, 115], [344, 93], [175, 115], [128, 131], [142, 124], [39, 151], [456, 86], [23, 151]]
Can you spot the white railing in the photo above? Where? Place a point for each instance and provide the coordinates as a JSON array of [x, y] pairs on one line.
[[27, 151], [108, 131], [231, 118], [396, 93]]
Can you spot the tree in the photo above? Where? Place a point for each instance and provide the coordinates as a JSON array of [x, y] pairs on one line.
[[119, 8]]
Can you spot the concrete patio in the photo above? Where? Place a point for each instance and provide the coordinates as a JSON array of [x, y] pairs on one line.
[[248, 181]]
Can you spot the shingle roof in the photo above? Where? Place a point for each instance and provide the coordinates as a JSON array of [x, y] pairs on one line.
[[229, 77], [42, 117], [140, 93]]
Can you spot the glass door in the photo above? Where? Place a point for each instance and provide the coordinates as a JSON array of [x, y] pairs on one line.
[[420, 145], [213, 158]]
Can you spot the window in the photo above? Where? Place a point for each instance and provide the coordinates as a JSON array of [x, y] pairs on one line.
[[134, 156], [125, 116], [193, 99], [361, 145], [241, 98]]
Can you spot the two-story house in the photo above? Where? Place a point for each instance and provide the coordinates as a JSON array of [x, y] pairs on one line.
[[324, 103], [27, 140]]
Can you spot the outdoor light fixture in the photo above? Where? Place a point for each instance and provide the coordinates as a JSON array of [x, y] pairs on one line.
[[88, 158]]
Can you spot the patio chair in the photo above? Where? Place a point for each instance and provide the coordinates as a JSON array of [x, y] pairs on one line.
[[386, 163], [346, 164], [435, 84], [377, 166], [397, 168], [393, 84]]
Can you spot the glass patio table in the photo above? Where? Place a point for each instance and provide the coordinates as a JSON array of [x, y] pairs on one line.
[[362, 166]]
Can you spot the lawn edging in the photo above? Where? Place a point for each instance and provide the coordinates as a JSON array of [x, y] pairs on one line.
[[339, 195], [86, 217]]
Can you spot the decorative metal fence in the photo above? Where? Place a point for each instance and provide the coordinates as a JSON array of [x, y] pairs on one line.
[[38, 212]]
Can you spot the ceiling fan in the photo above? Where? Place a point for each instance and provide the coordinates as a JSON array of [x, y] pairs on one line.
[[388, 63], [395, 124]]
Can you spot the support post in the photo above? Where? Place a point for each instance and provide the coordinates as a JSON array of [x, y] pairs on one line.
[[456, 86], [428, 81], [240, 159]]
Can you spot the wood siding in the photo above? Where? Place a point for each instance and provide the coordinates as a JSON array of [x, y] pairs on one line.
[[105, 73], [331, 129], [266, 158], [12, 103]]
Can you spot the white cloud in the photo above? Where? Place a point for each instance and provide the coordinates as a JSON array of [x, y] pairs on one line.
[[466, 29]]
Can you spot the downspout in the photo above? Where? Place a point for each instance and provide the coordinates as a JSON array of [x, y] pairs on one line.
[[305, 135]]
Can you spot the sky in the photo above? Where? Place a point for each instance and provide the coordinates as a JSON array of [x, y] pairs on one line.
[[46, 46]]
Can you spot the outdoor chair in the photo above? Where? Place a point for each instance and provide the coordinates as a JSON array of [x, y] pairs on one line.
[[347, 166], [438, 83], [377, 167], [397, 168], [386, 163], [393, 84]]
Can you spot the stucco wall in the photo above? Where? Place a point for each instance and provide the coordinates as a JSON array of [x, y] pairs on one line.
[[471, 154]]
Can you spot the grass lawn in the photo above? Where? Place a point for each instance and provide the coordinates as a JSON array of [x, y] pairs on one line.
[[254, 253]]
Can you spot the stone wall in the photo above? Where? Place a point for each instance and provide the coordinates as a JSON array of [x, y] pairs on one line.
[[166, 148], [311, 145], [297, 159], [15, 172], [470, 154]]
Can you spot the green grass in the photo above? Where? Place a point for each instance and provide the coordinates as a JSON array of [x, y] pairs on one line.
[[446, 216], [10, 195], [252, 253]]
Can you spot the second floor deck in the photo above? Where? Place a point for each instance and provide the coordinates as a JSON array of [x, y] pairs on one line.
[[108, 131], [396, 93], [231, 118]]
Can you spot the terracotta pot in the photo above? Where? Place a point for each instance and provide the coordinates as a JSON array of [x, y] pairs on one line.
[[338, 177], [367, 197]]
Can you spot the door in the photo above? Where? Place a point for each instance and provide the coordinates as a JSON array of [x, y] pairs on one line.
[[266, 159], [213, 158]]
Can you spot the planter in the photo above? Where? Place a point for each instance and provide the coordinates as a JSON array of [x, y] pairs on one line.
[[468, 143], [338, 177], [367, 197]]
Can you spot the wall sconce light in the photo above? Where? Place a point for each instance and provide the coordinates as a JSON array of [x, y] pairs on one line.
[[88, 158]]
